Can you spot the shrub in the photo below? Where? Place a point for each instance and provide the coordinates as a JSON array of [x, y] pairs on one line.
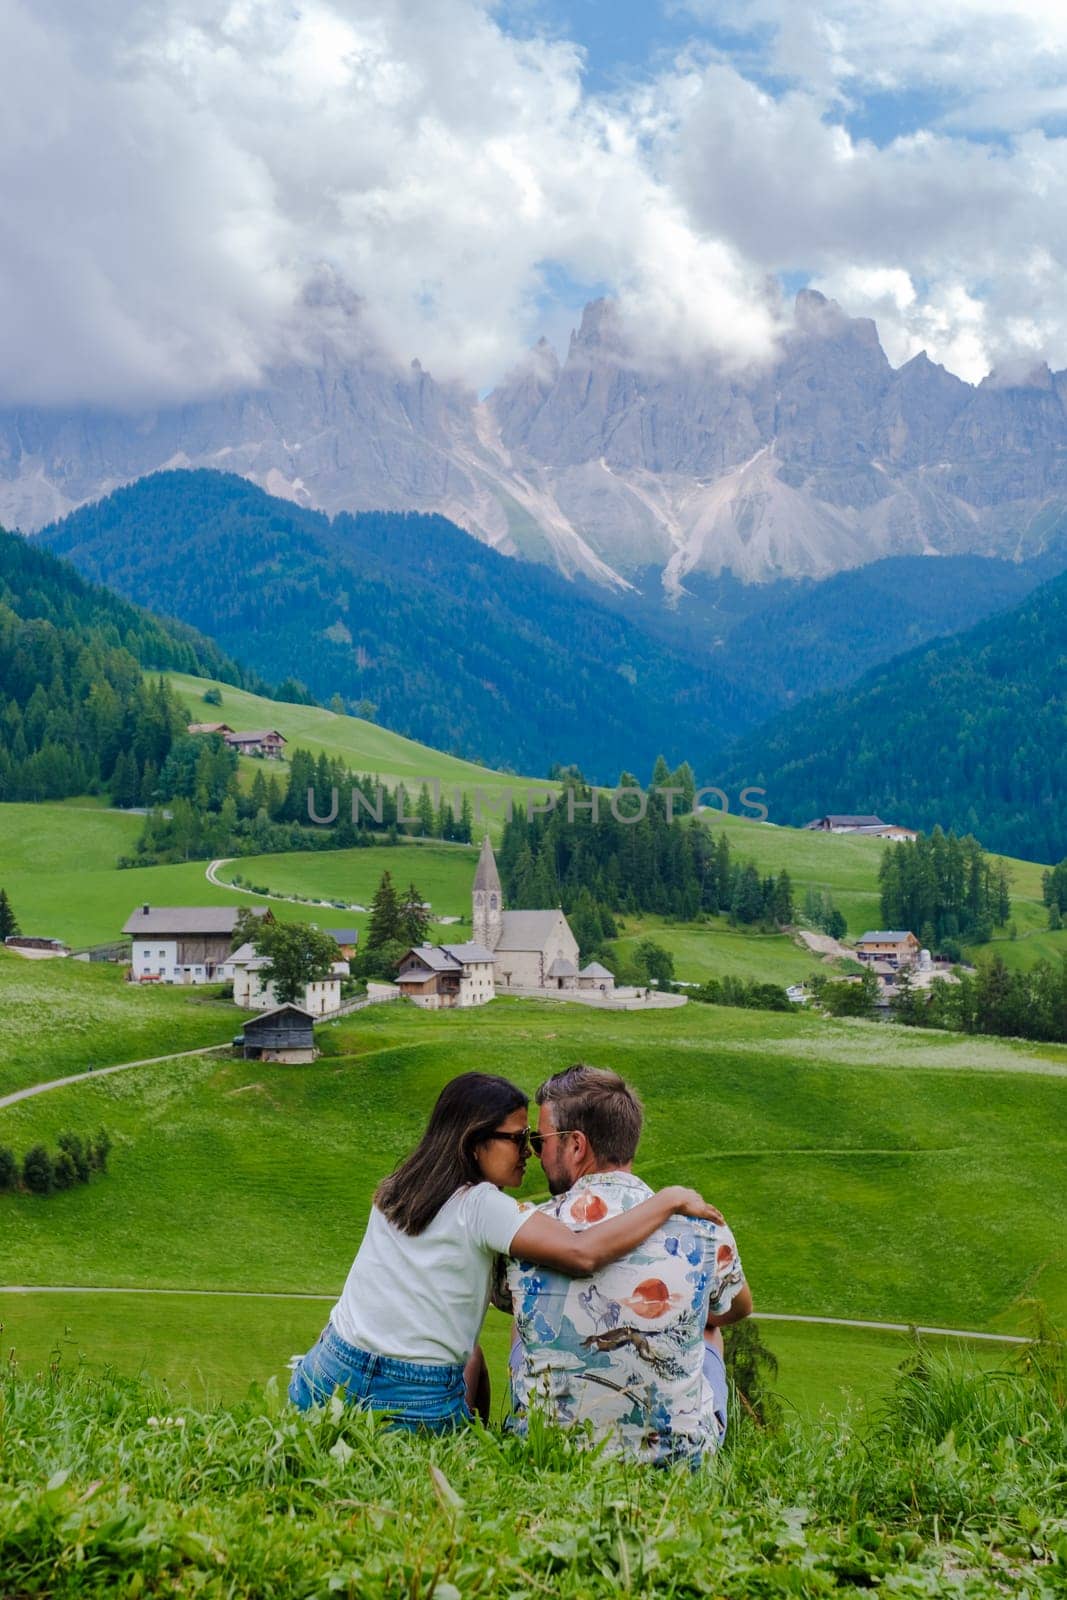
[[38, 1171], [64, 1172], [71, 1145], [9, 1168], [100, 1149]]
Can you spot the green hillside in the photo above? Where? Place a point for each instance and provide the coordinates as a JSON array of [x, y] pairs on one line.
[[58, 1017], [967, 732], [457, 645], [363, 746], [58, 865], [853, 1160]]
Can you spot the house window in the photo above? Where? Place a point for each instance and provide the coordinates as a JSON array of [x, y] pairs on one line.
[[162, 953]]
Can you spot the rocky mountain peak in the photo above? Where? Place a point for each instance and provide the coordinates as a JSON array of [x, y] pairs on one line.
[[825, 459]]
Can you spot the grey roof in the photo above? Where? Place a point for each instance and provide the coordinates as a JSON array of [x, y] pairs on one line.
[[255, 734], [185, 919], [562, 968], [526, 930], [595, 970], [435, 956], [893, 936], [845, 821], [246, 955], [265, 1017], [469, 951], [343, 935], [487, 877]]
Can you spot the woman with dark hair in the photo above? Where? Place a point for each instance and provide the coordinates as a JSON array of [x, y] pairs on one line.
[[403, 1336]]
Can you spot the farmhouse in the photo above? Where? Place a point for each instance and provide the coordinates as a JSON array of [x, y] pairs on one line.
[[209, 727], [873, 826], [894, 949], [252, 993], [182, 944], [346, 940], [438, 975], [532, 950], [36, 948], [259, 742], [285, 1034]]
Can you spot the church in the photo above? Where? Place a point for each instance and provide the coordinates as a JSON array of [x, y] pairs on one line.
[[532, 950]]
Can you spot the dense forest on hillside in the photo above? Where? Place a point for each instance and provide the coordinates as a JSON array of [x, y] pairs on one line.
[[593, 860], [73, 702], [798, 637], [970, 733], [447, 641]]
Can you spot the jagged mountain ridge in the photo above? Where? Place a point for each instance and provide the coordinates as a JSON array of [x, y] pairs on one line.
[[827, 460]]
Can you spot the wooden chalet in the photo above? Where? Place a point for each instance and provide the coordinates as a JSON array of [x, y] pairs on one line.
[[286, 1034]]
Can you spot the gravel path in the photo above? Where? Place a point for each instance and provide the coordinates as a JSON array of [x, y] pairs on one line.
[[268, 1294], [103, 1072]]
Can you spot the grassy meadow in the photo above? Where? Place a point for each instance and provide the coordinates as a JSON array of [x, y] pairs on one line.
[[57, 1017], [363, 746], [864, 1169]]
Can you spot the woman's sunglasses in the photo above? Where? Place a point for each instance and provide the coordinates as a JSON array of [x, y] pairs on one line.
[[527, 1139], [521, 1140]]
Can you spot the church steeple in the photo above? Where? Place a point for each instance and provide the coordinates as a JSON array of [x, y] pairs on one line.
[[487, 899]]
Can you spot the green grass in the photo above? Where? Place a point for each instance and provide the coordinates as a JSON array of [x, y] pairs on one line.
[[443, 873], [866, 1169], [116, 1488], [717, 950], [58, 1016]]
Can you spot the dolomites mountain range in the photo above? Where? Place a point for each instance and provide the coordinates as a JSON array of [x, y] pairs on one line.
[[604, 465]]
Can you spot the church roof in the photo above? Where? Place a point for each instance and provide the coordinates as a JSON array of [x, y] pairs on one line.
[[525, 930], [487, 877], [562, 968], [595, 970]]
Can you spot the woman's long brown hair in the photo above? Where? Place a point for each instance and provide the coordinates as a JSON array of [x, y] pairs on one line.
[[468, 1109]]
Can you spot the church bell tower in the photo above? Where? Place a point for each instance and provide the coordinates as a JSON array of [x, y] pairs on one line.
[[488, 902]]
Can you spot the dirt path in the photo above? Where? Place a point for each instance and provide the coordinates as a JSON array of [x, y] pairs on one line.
[[763, 1316], [102, 1072]]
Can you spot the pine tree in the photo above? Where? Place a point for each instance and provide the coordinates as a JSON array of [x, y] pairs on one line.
[[8, 920], [414, 919], [424, 813], [384, 914]]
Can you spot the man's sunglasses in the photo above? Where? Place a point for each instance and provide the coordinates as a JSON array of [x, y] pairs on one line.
[[527, 1139]]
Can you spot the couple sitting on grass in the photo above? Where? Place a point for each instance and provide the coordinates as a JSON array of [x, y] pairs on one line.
[[618, 1294]]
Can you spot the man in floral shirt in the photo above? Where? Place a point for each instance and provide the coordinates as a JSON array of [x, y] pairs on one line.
[[634, 1351]]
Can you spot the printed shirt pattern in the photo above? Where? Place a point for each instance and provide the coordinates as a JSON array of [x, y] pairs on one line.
[[624, 1350]]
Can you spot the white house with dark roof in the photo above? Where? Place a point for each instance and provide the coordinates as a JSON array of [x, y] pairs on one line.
[[182, 944], [252, 992], [531, 949]]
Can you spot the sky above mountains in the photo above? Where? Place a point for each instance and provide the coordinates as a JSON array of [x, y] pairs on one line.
[[194, 193]]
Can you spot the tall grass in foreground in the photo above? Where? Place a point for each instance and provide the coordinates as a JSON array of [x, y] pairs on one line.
[[958, 1487]]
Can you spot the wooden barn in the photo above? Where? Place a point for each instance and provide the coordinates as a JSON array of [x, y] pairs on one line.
[[286, 1034]]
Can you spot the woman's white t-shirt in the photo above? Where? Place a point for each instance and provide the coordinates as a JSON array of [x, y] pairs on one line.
[[423, 1297]]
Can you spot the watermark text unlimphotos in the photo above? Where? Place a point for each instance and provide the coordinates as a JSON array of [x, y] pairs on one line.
[[627, 805]]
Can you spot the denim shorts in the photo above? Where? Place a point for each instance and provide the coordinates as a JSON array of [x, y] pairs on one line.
[[414, 1393]]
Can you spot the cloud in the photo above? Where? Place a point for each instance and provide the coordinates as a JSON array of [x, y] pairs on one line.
[[193, 193], [182, 174], [975, 230]]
